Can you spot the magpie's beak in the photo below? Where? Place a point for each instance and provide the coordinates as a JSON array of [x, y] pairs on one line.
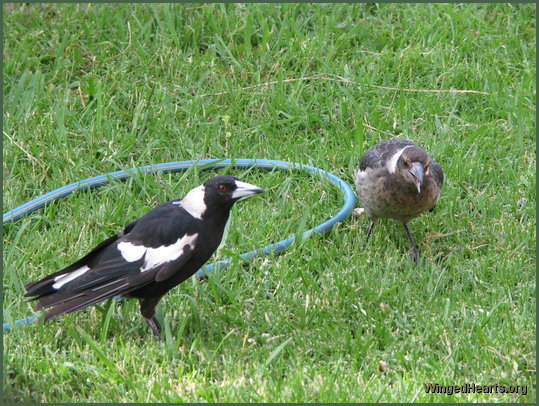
[[244, 189], [417, 175]]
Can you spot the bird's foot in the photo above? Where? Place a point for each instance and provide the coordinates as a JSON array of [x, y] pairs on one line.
[[156, 327], [414, 255], [369, 231]]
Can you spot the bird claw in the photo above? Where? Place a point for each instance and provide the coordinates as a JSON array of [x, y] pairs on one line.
[[156, 328], [414, 255]]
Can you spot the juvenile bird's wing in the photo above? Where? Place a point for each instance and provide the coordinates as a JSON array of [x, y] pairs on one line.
[[437, 172], [378, 155]]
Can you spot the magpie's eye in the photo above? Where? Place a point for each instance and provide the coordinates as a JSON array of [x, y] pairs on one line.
[[223, 188]]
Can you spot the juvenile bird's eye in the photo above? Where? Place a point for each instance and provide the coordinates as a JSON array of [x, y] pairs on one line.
[[223, 188]]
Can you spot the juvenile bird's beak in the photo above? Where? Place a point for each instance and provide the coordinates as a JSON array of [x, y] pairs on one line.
[[417, 175], [244, 189]]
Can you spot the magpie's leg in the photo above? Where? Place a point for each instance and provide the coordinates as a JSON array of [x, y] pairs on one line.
[[369, 231], [414, 254], [147, 309], [156, 327]]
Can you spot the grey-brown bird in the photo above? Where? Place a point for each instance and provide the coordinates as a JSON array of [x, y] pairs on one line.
[[397, 179]]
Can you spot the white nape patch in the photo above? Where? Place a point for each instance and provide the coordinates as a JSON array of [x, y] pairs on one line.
[[244, 189], [68, 277], [193, 202], [392, 164], [155, 256]]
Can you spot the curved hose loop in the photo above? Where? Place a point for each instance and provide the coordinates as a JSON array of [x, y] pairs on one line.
[[266, 164]]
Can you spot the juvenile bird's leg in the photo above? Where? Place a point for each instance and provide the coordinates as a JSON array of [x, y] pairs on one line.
[[147, 309], [369, 231], [414, 254]]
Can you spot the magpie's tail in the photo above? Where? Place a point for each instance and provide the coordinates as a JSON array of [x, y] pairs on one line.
[[60, 303]]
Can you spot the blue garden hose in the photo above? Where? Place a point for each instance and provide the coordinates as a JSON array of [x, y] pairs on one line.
[[97, 181]]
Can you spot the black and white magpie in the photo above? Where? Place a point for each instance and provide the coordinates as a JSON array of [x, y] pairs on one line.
[[397, 179], [148, 257]]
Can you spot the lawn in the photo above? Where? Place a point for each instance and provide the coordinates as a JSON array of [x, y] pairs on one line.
[[95, 88]]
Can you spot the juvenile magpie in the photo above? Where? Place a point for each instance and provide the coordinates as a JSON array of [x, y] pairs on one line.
[[397, 179], [148, 257]]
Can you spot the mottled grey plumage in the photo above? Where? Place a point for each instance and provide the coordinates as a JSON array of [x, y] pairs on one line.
[[397, 179]]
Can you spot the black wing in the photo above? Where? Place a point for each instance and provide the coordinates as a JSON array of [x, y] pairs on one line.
[[40, 287], [109, 273], [377, 156], [101, 284]]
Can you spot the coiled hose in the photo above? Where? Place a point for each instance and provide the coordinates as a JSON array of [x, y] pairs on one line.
[[267, 164]]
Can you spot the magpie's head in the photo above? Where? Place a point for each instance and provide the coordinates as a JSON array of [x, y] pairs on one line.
[[226, 190], [413, 166], [217, 194]]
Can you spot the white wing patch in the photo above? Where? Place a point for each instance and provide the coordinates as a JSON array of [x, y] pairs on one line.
[[193, 202], [392, 164], [160, 255], [156, 256], [131, 252], [68, 277]]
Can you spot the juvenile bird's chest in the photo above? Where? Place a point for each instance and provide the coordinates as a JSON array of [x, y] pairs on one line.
[[386, 196]]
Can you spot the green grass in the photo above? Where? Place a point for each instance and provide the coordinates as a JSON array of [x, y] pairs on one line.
[[91, 89]]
